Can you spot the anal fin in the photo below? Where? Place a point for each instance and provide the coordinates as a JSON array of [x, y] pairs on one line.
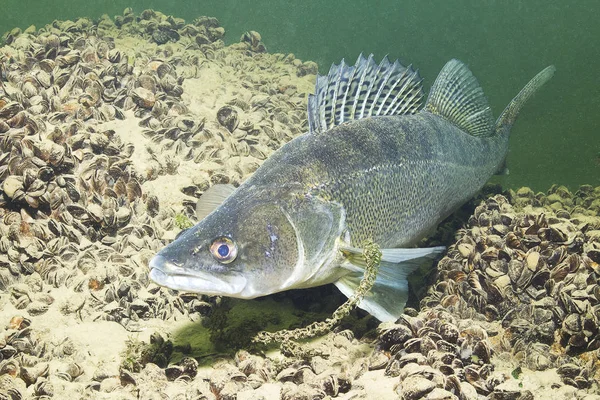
[[389, 294]]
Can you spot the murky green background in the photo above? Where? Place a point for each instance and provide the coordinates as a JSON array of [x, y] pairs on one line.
[[505, 43]]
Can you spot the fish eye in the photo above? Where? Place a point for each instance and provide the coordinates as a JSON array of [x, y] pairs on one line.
[[224, 250]]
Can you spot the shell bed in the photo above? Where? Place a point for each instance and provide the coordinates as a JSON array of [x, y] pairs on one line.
[[109, 132]]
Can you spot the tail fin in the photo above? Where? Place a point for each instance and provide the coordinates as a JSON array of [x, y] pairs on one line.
[[510, 113]]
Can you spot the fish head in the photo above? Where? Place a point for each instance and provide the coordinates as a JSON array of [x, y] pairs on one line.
[[247, 247]]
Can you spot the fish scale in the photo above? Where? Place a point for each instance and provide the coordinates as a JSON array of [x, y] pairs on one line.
[[354, 159]]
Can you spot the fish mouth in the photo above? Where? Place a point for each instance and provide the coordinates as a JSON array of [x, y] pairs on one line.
[[165, 273]]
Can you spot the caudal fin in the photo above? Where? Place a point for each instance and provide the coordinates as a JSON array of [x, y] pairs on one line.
[[511, 112]]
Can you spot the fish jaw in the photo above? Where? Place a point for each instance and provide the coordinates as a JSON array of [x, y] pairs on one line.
[[165, 273]]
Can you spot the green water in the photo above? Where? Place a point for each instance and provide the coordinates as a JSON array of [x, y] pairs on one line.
[[504, 42]]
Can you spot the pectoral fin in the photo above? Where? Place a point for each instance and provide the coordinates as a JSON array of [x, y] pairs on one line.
[[389, 294], [212, 198]]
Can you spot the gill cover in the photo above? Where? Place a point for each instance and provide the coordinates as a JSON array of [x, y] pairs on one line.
[[286, 241], [276, 214]]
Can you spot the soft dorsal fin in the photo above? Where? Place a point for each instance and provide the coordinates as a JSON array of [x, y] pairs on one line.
[[457, 97], [212, 198], [363, 90]]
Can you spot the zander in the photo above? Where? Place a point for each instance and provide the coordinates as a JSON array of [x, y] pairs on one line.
[[374, 166]]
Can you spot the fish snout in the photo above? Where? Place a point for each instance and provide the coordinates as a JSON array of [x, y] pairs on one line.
[[165, 272]]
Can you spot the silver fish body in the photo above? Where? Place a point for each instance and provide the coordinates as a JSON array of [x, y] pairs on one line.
[[386, 177]]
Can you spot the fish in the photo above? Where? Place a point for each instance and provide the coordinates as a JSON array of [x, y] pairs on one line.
[[375, 165]]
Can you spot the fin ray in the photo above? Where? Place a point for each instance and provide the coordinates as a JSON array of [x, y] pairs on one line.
[[389, 294], [457, 97], [363, 90], [368, 100], [404, 101], [212, 198]]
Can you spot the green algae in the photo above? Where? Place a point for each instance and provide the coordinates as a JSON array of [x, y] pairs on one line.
[[138, 353], [182, 221], [233, 323]]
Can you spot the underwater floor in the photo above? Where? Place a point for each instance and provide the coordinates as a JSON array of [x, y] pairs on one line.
[[109, 132]]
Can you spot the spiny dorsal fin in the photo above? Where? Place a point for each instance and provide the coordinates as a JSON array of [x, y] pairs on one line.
[[363, 90], [457, 96], [212, 198]]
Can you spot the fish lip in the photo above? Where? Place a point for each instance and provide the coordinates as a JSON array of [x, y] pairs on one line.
[[168, 274]]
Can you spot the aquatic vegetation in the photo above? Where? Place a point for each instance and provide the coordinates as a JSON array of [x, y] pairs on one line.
[[137, 353], [226, 327], [182, 221]]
